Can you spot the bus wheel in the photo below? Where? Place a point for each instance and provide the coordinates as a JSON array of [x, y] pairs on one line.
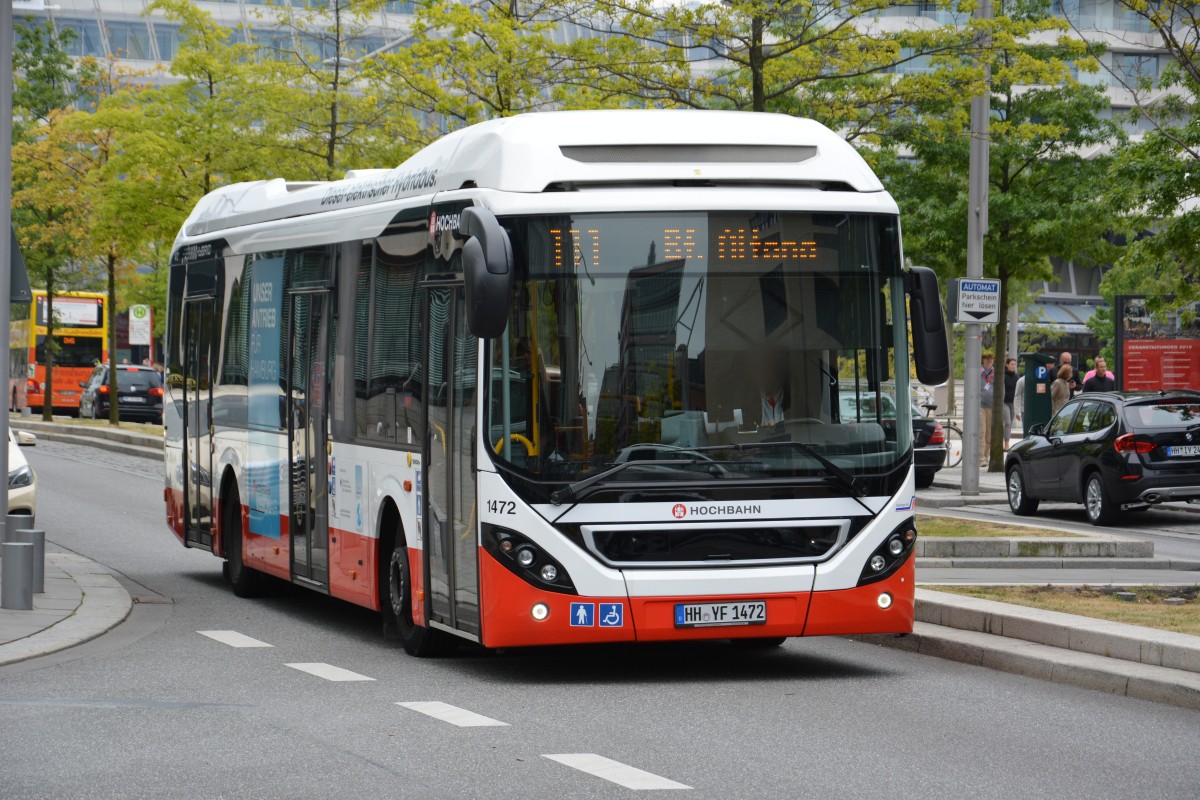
[[246, 582], [398, 622], [762, 643]]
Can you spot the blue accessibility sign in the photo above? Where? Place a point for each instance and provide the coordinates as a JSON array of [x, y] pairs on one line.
[[612, 615], [583, 615]]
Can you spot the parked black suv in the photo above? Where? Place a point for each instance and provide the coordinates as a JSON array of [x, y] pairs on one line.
[[139, 394], [1111, 451]]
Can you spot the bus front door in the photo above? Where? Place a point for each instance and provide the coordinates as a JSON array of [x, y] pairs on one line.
[[450, 522], [199, 325], [307, 384]]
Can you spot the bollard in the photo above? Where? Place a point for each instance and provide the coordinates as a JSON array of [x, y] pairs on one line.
[[16, 522], [16, 574], [38, 540]]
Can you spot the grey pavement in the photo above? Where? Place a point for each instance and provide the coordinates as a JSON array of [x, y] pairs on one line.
[[81, 601]]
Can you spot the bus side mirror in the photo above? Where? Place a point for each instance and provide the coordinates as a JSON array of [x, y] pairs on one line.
[[930, 352], [487, 262]]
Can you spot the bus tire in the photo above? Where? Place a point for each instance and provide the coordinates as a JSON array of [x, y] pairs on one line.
[[396, 606], [246, 581]]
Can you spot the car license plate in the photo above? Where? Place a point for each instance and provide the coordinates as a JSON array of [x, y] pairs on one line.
[[68, 393], [1183, 450], [699, 615], [133, 400]]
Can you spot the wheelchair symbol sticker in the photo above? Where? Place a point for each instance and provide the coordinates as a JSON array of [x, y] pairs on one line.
[[612, 615]]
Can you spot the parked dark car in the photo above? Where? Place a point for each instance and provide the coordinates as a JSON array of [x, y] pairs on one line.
[[929, 438], [1111, 451], [929, 447], [139, 394]]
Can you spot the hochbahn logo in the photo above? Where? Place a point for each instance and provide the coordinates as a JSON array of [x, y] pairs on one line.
[[679, 511]]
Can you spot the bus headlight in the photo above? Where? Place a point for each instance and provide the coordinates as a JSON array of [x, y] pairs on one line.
[[526, 556], [528, 561], [889, 555], [549, 573], [540, 611]]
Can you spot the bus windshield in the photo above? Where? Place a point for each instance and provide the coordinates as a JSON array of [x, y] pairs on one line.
[[712, 346]]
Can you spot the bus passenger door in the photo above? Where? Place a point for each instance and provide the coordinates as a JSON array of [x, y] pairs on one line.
[[199, 326], [451, 540], [307, 383]]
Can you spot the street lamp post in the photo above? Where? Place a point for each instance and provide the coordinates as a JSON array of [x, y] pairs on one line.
[[977, 202], [6, 87]]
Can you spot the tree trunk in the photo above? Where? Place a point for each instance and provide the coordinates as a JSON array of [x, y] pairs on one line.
[[757, 88], [996, 437]]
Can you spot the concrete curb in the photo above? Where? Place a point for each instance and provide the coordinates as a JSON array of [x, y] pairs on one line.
[[1056, 629], [1041, 547], [1182, 565], [1145, 663], [1145, 682], [104, 604], [114, 440]]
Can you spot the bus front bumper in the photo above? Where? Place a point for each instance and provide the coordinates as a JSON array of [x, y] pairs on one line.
[[520, 615]]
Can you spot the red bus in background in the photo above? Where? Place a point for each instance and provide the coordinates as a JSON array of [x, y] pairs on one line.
[[81, 333]]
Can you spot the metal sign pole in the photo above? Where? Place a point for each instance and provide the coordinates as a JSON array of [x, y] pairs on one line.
[[6, 87]]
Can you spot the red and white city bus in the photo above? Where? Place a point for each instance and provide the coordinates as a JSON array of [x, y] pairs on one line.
[[560, 378]]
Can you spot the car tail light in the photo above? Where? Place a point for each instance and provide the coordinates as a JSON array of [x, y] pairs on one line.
[[1129, 443], [939, 434], [33, 386], [103, 389], [156, 391]]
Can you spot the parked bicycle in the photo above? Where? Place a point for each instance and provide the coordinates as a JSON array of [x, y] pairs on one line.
[[953, 433]]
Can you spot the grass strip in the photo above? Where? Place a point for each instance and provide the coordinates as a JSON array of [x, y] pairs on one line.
[[929, 525], [1147, 608]]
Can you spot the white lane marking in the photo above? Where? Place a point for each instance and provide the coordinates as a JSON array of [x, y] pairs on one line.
[[234, 639], [329, 672], [453, 714], [615, 771]]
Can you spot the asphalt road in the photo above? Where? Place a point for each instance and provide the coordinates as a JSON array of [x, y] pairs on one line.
[[157, 710]]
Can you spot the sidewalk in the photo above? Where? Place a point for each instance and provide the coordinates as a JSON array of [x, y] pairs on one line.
[[82, 600], [105, 437]]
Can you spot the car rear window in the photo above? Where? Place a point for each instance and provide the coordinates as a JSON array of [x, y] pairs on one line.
[[1162, 415], [138, 379]]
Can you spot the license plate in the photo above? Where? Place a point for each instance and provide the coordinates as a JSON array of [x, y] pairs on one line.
[[68, 393], [1184, 450], [701, 615], [133, 399]]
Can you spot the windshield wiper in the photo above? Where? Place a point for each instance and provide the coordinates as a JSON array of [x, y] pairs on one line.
[[573, 492], [847, 481]]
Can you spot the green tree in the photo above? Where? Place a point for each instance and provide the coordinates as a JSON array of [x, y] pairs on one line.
[[1047, 166], [46, 82], [321, 114], [1156, 178], [832, 60], [468, 62]]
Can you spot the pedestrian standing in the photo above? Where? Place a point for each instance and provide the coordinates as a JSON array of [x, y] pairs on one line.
[[987, 374], [1060, 390], [1010, 392], [1100, 379], [1065, 360]]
